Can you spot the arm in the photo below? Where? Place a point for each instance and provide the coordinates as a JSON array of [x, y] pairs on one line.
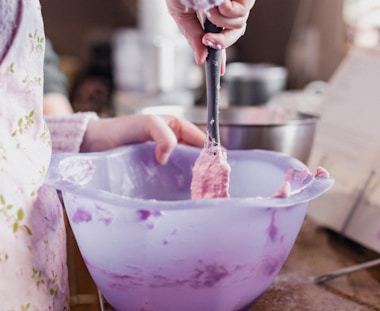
[[56, 103], [166, 131], [55, 84], [85, 132]]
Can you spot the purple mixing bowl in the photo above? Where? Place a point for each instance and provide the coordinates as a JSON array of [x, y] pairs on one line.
[[148, 246]]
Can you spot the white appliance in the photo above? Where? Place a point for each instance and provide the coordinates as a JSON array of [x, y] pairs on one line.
[[153, 63]]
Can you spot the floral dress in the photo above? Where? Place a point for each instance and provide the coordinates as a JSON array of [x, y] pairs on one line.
[[33, 272]]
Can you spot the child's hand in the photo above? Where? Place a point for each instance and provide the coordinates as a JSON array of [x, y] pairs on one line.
[[166, 131]]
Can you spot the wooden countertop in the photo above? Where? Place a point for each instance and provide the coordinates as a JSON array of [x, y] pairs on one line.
[[318, 251]]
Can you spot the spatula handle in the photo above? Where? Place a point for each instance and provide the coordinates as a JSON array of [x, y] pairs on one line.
[[212, 70]]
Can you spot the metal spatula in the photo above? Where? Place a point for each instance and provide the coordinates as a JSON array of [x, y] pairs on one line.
[[332, 275]]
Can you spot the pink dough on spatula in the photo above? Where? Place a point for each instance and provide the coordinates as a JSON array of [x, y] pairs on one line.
[[211, 174]]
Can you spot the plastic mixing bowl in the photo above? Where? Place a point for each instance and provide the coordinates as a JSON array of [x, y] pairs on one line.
[[148, 246]]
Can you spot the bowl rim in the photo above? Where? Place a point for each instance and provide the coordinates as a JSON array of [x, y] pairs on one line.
[[310, 191], [302, 118]]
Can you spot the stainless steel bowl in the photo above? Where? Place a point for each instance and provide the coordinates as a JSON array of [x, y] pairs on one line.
[[253, 84], [254, 127]]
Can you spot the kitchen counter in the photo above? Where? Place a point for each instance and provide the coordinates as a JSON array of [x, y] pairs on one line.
[[318, 251]]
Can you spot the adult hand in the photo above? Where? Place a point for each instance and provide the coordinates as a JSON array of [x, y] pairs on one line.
[[166, 131], [231, 15]]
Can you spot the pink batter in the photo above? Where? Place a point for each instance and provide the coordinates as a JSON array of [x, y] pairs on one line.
[[211, 174], [295, 179]]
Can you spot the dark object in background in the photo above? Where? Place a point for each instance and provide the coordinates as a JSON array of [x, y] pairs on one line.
[[55, 80], [93, 88], [251, 84]]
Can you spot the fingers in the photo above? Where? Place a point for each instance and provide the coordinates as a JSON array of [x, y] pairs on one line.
[[235, 8], [185, 131], [191, 28], [223, 39], [166, 131], [232, 9], [232, 15], [164, 137], [228, 22]]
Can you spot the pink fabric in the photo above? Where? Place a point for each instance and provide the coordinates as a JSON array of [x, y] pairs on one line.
[[33, 272], [67, 131]]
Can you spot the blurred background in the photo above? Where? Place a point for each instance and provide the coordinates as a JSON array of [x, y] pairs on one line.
[[104, 46], [120, 56]]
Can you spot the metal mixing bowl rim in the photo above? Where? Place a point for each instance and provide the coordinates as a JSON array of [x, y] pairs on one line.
[[304, 119]]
